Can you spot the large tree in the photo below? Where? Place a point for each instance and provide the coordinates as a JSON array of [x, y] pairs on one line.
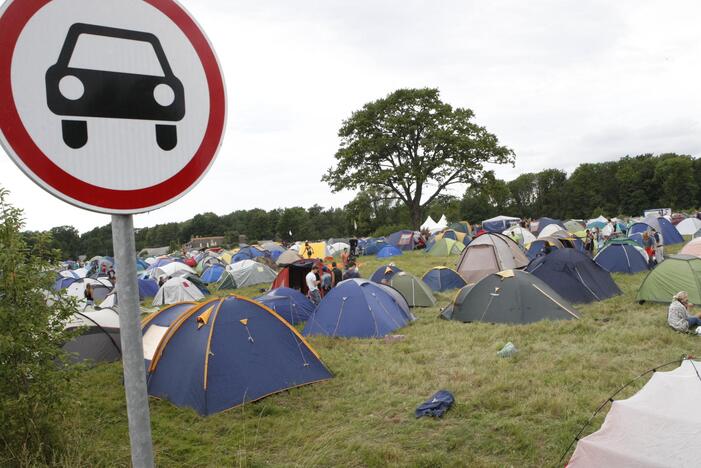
[[413, 145]]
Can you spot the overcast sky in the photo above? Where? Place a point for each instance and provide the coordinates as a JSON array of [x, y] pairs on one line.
[[560, 82]]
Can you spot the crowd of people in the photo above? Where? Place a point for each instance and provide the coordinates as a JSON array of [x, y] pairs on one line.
[[321, 278]]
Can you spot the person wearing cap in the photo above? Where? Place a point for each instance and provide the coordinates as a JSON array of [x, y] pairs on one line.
[[313, 285], [679, 316]]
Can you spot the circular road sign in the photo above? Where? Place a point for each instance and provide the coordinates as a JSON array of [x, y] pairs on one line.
[[116, 106]]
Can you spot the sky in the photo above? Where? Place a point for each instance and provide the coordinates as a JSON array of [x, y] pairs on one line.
[[560, 82]]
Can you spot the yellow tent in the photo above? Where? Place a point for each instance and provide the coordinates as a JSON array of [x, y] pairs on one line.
[[318, 250]]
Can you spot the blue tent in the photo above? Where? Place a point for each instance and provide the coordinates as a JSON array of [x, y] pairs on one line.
[[373, 246], [248, 253], [381, 272], [212, 274], [670, 235], [62, 282], [537, 247], [403, 240], [359, 308], [443, 279], [289, 303], [141, 264], [147, 288], [499, 223], [388, 251], [621, 258], [225, 352], [159, 263], [542, 222], [574, 276]]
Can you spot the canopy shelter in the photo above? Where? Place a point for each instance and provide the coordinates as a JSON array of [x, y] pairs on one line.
[[225, 352], [655, 427], [510, 296]]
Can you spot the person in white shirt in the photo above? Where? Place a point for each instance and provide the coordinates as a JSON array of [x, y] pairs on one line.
[[313, 285]]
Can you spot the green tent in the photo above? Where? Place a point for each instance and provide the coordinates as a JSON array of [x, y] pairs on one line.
[[572, 225], [676, 273], [510, 296], [445, 247], [226, 281], [416, 292]]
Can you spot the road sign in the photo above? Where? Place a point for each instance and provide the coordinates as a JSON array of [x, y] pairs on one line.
[[116, 106]]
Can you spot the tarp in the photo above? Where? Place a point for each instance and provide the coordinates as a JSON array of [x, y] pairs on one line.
[[359, 308], [489, 253], [655, 427], [676, 273], [511, 296], [443, 279], [574, 275], [226, 352]]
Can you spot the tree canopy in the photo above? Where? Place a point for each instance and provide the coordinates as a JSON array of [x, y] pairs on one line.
[[411, 145]]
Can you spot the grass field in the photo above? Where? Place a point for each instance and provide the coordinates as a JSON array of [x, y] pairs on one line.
[[520, 411]]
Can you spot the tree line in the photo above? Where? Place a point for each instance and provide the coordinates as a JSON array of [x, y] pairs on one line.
[[614, 188]]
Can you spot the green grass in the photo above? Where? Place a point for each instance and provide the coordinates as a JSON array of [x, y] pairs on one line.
[[521, 411]]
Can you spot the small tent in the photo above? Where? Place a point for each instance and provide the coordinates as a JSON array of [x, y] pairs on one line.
[[226, 352], [99, 339], [489, 253], [359, 308], [373, 246], [669, 233], [511, 296], [100, 289], [212, 274], [553, 230], [415, 291], [337, 248], [542, 223], [403, 240], [652, 428], [177, 289], [288, 257], [693, 247], [543, 247], [385, 272], [445, 247], [289, 303], [689, 226], [171, 269], [499, 223], [521, 236], [226, 281], [293, 275], [388, 251], [676, 273], [442, 279], [574, 275], [622, 258], [314, 250], [249, 273]]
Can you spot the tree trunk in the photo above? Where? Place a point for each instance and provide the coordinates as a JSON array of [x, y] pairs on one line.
[[416, 219]]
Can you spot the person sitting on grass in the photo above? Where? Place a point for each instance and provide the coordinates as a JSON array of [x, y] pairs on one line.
[[679, 316]]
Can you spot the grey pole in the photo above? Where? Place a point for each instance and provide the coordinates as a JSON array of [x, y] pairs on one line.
[[132, 345]]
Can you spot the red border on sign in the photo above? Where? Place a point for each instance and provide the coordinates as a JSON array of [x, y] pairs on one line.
[[103, 199]]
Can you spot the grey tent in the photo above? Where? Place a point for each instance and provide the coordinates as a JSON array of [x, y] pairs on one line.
[[489, 253], [511, 296], [415, 291], [288, 257], [98, 340], [248, 272], [226, 281]]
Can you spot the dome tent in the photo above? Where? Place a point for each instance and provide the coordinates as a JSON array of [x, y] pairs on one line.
[[510, 296], [574, 276], [289, 303], [212, 274], [544, 222], [676, 273], [416, 292], [442, 279], [670, 235], [248, 273], [489, 253], [177, 289], [689, 226], [388, 251], [499, 223], [288, 257], [385, 272], [445, 247], [225, 352], [622, 258], [98, 340], [359, 308], [693, 247]]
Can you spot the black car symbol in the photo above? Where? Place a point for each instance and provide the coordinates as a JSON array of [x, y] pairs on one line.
[[79, 91]]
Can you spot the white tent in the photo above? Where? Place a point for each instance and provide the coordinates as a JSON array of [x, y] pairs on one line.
[[177, 289], [689, 226], [337, 248], [101, 288], [248, 273], [517, 231], [170, 269], [429, 224], [443, 222], [600, 219], [551, 229], [655, 427]]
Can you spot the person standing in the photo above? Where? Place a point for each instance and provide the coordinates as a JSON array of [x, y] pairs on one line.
[[337, 274], [659, 246], [649, 246], [313, 285], [344, 258], [308, 251]]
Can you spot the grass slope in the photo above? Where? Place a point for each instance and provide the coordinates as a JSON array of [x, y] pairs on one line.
[[521, 411]]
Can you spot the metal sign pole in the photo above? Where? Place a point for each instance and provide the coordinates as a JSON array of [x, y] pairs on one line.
[[132, 345]]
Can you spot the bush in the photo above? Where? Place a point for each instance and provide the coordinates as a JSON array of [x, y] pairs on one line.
[[383, 231], [34, 377]]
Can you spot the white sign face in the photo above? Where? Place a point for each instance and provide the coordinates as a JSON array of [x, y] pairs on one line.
[[117, 105]]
